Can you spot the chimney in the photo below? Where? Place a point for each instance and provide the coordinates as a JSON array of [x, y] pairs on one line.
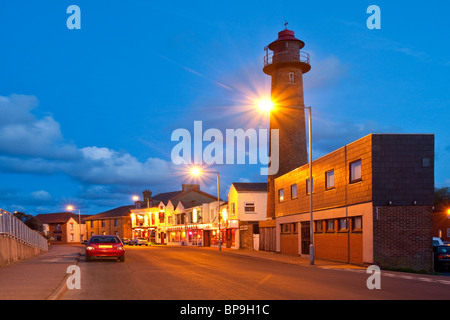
[[187, 187], [148, 198]]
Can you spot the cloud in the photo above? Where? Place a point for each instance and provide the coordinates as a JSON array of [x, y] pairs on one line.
[[23, 134], [35, 145], [41, 195]]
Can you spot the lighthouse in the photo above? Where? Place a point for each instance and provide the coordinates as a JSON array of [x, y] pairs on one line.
[[286, 63]]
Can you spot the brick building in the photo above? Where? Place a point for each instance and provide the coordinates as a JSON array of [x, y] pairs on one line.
[[372, 203], [63, 227], [116, 221]]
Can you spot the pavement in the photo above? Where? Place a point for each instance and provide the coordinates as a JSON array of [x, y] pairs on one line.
[[44, 276], [41, 277]]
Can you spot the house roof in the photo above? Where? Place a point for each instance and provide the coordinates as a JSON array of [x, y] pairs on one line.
[[116, 212], [59, 217], [250, 186]]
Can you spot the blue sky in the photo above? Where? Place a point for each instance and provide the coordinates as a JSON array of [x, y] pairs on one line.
[[86, 115]]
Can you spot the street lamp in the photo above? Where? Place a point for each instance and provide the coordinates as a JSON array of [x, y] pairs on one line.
[[70, 208], [197, 172], [268, 106]]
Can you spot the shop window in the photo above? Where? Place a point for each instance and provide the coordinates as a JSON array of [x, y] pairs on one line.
[[280, 195], [355, 171], [329, 180], [294, 191]]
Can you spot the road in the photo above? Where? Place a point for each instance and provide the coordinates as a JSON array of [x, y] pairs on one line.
[[183, 273]]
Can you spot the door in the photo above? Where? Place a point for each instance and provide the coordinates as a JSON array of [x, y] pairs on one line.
[[206, 238], [306, 241]]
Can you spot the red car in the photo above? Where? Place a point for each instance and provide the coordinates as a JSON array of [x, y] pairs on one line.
[[105, 247]]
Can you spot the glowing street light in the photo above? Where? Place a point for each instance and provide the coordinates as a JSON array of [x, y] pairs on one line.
[[265, 105], [135, 198]]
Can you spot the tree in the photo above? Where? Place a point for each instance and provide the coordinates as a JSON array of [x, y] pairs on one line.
[[30, 221], [441, 198]]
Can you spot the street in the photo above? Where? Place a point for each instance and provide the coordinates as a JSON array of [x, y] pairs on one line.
[[186, 273]]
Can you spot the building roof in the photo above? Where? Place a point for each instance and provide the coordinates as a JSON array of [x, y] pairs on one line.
[[116, 212], [59, 217], [250, 186]]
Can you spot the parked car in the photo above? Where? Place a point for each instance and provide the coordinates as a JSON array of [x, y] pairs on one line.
[[441, 257], [125, 240], [138, 241], [105, 247], [437, 241], [84, 242]]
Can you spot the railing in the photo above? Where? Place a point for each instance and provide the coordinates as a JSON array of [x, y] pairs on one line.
[[269, 56], [12, 227]]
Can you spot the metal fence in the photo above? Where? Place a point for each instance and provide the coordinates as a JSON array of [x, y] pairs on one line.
[[13, 227]]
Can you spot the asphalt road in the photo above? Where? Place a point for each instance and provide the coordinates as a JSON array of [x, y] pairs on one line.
[[183, 273]]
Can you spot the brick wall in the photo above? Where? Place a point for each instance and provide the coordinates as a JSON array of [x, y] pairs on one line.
[[403, 237], [123, 227]]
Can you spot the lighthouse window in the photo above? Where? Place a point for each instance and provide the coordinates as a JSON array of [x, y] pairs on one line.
[[291, 77]]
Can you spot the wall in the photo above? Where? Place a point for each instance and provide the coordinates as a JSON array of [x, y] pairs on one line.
[[12, 250], [403, 237], [123, 227]]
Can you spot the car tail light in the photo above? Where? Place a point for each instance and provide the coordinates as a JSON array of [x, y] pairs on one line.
[[118, 247], [90, 248]]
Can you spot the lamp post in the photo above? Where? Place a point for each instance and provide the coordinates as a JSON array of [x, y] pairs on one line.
[[70, 208], [197, 172]]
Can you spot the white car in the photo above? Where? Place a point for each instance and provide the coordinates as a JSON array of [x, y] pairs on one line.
[[139, 241], [437, 241]]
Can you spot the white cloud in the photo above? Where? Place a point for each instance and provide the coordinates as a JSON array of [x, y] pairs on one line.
[[31, 144], [41, 195]]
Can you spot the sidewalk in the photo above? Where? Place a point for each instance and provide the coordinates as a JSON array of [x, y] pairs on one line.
[[283, 258], [40, 277]]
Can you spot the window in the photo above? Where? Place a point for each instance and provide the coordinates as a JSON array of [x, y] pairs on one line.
[[291, 77], [294, 191], [280, 195], [92, 223], [357, 223], [308, 187], [71, 226], [295, 227], [103, 223], [249, 207], [58, 227], [233, 208], [115, 223], [319, 226], [329, 180], [330, 225], [286, 228], [448, 232], [355, 171], [343, 225]]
